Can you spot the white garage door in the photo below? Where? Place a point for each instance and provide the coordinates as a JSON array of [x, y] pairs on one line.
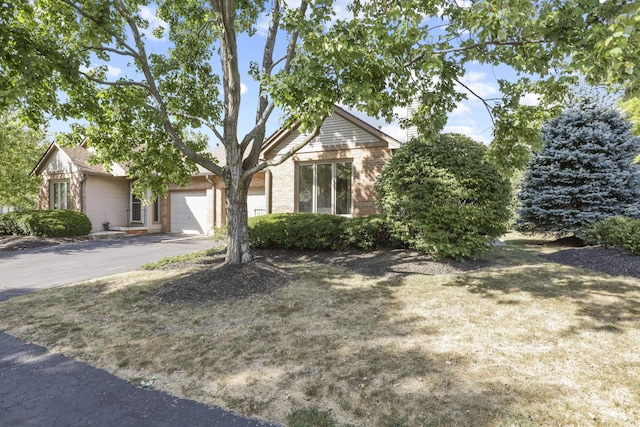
[[256, 204], [189, 212]]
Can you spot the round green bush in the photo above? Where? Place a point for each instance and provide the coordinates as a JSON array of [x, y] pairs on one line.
[[296, 231], [53, 223], [617, 231], [443, 197]]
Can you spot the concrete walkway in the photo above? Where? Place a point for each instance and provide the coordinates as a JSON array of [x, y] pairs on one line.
[[38, 388]]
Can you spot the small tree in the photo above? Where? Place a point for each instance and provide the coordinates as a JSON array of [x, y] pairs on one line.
[[443, 197], [632, 108], [583, 174], [20, 149]]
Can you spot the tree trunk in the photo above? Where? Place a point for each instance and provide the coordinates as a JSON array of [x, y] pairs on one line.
[[238, 249]]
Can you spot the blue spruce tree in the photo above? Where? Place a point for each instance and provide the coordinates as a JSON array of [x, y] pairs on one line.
[[584, 173]]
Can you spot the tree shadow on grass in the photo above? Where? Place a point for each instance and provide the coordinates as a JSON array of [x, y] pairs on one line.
[[610, 303]]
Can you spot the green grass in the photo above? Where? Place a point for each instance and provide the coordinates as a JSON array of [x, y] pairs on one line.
[[311, 417], [184, 258]]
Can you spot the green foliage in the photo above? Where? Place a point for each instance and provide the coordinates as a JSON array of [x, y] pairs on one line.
[[20, 149], [183, 258], [618, 231], [583, 174], [53, 223], [632, 108], [442, 197], [296, 231], [320, 232], [310, 417], [367, 233]]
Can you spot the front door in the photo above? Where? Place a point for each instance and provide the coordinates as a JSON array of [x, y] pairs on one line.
[[136, 209]]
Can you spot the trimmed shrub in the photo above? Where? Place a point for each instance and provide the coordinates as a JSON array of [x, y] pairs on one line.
[[8, 224], [443, 197], [618, 231], [53, 223], [296, 231], [368, 233]]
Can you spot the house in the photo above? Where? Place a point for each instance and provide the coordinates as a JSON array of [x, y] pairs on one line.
[[335, 173]]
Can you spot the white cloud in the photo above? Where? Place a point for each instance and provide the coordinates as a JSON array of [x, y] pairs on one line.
[[469, 131], [475, 81], [461, 110], [395, 131], [401, 112], [113, 71], [243, 88], [149, 14], [531, 99], [262, 26]]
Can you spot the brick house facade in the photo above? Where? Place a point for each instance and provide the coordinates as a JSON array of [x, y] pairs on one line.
[[335, 173]]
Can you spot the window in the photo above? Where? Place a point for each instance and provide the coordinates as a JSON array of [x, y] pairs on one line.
[[325, 188], [156, 210], [59, 198]]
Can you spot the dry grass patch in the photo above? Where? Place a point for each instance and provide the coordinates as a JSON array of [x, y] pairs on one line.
[[522, 341]]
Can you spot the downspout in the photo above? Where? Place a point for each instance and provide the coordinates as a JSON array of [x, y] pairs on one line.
[[82, 181], [213, 193], [267, 191]]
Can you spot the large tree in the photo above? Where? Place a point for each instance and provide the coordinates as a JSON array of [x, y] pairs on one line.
[[583, 174], [20, 149], [378, 55]]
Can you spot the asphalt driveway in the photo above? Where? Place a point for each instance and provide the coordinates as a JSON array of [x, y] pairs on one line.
[[40, 268]]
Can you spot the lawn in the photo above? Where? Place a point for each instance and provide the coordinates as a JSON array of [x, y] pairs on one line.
[[521, 341]]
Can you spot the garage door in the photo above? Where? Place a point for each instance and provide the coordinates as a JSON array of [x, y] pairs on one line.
[[189, 212], [256, 204]]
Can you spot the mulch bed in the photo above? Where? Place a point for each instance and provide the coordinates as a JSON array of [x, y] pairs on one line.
[[224, 282], [612, 261]]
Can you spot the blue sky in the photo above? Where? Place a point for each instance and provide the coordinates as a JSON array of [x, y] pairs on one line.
[[469, 118]]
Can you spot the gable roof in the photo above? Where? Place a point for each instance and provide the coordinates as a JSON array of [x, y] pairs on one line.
[[281, 134], [78, 155]]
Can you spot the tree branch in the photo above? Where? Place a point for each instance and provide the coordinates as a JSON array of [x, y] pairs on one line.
[[473, 46], [208, 124], [291, 48], [264, 106], [486, 104], [113, 34], [112, 50], [260, 124], [116, 83], [152, 88], [284, 157]]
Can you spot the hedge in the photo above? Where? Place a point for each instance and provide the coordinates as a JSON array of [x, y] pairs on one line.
[[53, 223], [295, 231], [319, 232]]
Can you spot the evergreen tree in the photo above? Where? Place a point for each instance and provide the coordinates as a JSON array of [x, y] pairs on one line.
[[584, 173]]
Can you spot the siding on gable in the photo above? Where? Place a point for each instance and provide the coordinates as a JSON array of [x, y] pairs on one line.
[[59, 162], [335, 133]]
